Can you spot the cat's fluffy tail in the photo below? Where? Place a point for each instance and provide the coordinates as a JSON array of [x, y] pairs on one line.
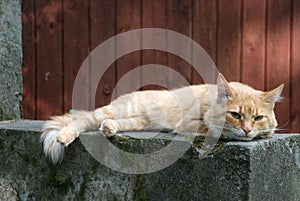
[[60, 131], [53, 148]]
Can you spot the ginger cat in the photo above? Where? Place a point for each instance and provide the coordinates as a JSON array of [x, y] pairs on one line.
[[249, 114]]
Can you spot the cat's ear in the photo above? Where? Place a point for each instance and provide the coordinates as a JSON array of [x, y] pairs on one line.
[[224, 91], [273, 95]]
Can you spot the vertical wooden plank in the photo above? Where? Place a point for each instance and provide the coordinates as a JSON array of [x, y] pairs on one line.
[[75, 46], [295, 69], [278, 54], [229, 38], [49, 58], [253, 50], [179, 20], [205, 30], [128, 18], [28, 67], [103, 27], [154, 16]]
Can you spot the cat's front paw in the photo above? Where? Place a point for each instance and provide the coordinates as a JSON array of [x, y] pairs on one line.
[[108, 127], [66, 136]]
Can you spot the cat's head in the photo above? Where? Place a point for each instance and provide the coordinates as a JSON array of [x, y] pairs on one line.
[[249, 113]]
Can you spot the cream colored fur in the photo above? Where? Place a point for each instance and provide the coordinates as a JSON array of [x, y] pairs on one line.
[[185, 110]]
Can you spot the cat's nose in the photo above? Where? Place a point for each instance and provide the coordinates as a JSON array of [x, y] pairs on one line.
[[246, 130]]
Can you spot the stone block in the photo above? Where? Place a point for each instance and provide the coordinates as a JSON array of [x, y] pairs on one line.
[[265, 169]]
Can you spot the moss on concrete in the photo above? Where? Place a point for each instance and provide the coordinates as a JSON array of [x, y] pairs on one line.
[[5, 117], [140, 194], [198, 143]]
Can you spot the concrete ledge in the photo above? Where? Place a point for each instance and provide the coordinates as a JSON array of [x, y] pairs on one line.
[[266, 169]]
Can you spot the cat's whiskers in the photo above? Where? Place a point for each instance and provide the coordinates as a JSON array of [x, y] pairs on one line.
[[271, 129], [283, 127]]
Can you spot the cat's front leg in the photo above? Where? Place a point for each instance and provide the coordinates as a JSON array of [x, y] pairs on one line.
[[68, 133], [111, 126]]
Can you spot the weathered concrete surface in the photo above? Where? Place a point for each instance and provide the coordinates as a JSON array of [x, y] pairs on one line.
[[10, 59], [266, 169], [259, 170], [6, 191], [79, 177]]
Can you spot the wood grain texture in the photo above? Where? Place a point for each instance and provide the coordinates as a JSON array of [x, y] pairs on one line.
[[253, 43], [205, 31], [295, 69], [75, 47], [179, 20], [49, 58], [229, 38], [278, 55], [28, 66], [154, 15], [103, 24], [128, 18]]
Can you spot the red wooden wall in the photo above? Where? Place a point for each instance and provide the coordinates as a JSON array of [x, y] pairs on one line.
[[253, 41]]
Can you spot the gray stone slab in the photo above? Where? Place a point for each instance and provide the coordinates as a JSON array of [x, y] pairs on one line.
[[259, 170], [266, 169], [22, 125]]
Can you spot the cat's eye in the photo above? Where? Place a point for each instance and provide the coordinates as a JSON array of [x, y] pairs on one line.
[[258, 118], [235, 115]]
